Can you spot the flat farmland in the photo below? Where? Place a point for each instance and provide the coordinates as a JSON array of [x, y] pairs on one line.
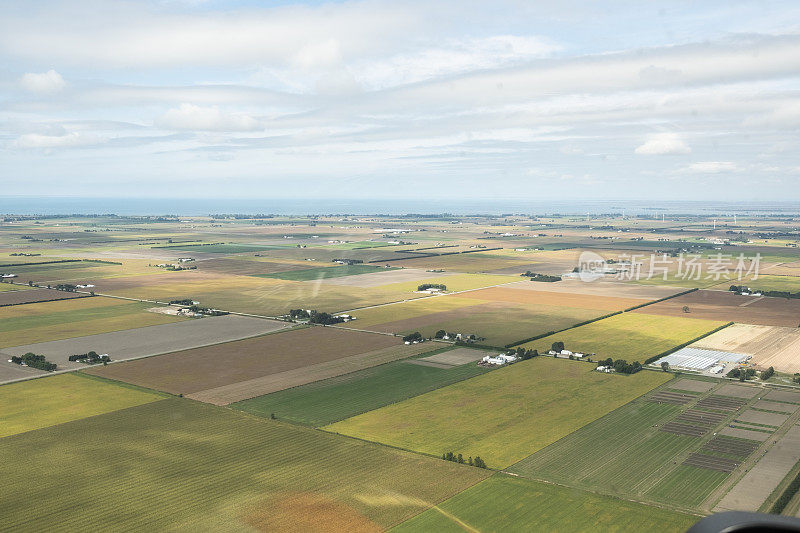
[[327, 401], [201, 369], [36, 295], [630, 336], [45, 402], [512, 294], [266, 296], [501, 315], [38, 322], [601, 287], [503, 415], [320, 273], [242, 390], [500, 323], [181, 465], [504, 503], [384, 276], [7, 287], [242, 266], [774, 346], [151, 340], [727, 306], [653, 449], [475, 262], [758, 483], [626, 450]]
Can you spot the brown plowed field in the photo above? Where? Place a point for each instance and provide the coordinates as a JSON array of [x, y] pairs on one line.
[[760, 417], [691, 385], [251, 388], [775, 406], [738, 447], [210, 367], [727, 306], [739, 391], [783, 396], [36, 295]]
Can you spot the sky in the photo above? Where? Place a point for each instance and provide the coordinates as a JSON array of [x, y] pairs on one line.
[[540, 100]]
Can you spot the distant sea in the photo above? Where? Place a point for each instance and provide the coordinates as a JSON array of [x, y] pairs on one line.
[[193, 206]]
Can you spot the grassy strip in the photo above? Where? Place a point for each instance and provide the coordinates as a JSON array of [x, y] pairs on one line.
[[751, 428], [784, 499], [40, 263], [765, 426], [50, 300], [685, 344]]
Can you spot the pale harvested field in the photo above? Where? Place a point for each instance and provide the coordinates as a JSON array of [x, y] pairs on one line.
[[783, 396], [744, 434], [757, 484], [376, 279], [784, 354], [760, 417], [12, 372], [458, 356], [536, 297], [734, 339], [601, 287], [251, 388], [150, 340], [774, 346], [210, 367], [739, 391], [775, 406], [691, 385]]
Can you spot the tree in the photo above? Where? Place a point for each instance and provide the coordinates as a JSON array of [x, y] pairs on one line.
[[557, 346], [766, 374], [686, 309], [665, 366], [440, 334]]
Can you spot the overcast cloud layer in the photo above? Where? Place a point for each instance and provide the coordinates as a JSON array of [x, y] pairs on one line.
[[517, 99]]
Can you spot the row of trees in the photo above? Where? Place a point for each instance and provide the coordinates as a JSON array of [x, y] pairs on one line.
[[315, 317], [738, 289], [477, 462], [622, 366], [91, 358], [524, 354], [416, 336], [34, 361], [742, 373], [768, 373], [426, 286], [541, 277]]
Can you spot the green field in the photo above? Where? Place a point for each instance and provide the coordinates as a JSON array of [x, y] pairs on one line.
[[629, 336], [220, 248], [324, 272], [176, 464], [331, 400], [687, 486], [503, 503], [39, 403], [505, 415], [48, 321], [9, 287], [631, 457]]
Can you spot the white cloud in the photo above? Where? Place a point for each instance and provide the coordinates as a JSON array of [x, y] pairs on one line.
[[712, 167], [68, 140], [196, 118], [664, 144], [49, 82]]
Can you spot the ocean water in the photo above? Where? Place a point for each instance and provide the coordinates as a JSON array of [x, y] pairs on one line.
[[205, 206]]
